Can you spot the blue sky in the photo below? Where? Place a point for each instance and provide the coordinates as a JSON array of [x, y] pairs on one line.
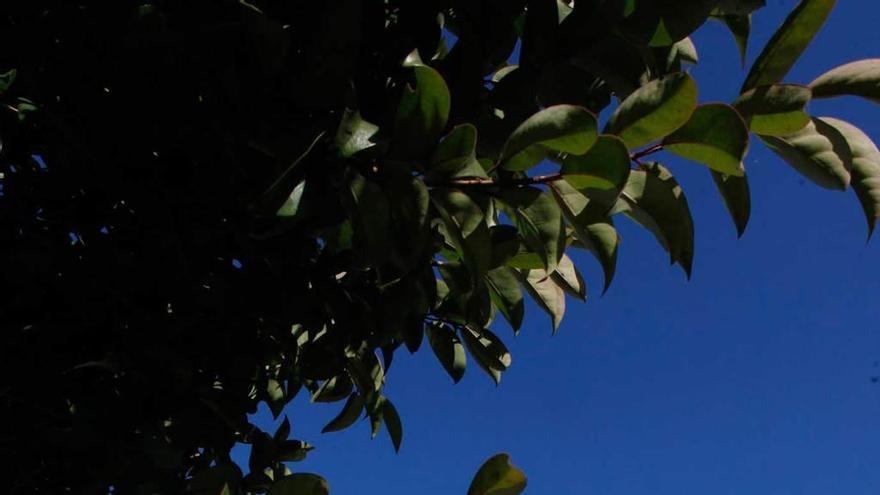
[[754, 377]]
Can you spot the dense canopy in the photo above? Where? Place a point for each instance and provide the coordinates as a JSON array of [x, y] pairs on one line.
[[206, 205]]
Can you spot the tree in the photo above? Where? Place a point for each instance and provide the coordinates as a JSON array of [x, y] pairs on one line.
[[211, 204]]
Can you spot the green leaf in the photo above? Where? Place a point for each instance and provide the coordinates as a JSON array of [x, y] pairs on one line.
[[593, 228], [392, 423], [275, 396], [455, 156], [349, 414], [506, 295], [334, 389], [292, 451], [605, 166], [448, 349], [498, 476], [818, 151], [6, 80], [865, 168], [560, 128], [487, 350], [775, 110], [788, 43], [300, 484], [653, 199], [662, 23], [423, 111], [545, 292], [860, 78], [465, 223], [715, 136], [291, 206], [735, 193], [540, 220], [354, 134], [654, 110], [372, 218], [569, 278]]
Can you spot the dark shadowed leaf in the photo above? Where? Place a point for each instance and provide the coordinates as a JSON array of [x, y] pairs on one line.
[[506, 295], [540, 220], [605, 166], [300, 484], [354, 134], [545, 292], [448, 349], [735, 193], [349, 414], [653, 199], [392, 423], [423, 111]]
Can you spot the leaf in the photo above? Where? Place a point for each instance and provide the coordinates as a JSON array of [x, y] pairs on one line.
[[291, 206], [740, 26], [497, 476], [423, 111], [351, 411], [605, 166], [487, 350], [775, 110], [334, 389], [735, 193], [654, 110], [818, 151], [715, 136], [354, 134], [506, 295], [562, 128], [569, 278], [282, 432], [593, 228], [292, 451], [860, 78], [547, 295], [653, 199], [300, 484], [865, 168], [662, 23], [540, 220], [372, 219], [448, 349], [392, 423], [211, 481], [465, 223], [455, 156], [788, 43], [6, 80], [275, 397]]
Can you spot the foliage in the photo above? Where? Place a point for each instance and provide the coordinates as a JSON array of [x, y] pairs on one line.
[[212, 204]]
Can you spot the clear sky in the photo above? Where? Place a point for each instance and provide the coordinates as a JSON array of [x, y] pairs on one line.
[[753, 378]]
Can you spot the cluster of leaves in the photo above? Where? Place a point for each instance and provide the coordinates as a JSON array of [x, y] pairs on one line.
[[211, 205]]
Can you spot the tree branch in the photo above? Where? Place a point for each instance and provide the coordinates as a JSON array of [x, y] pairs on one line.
[[481, 182]]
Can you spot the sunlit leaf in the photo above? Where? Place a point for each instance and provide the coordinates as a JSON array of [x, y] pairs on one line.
[[860, 78], [775, 110], [498, 476], [560, 128], [818, 151], [655, 110], [715, 136]]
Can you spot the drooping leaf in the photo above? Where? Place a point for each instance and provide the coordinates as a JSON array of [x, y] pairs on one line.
[[498, 476], [604, 167], [349, 414], [423, 111], [775, 110], [653, 199], [560, 128], [715, 136], [6, 80], [735, 193], [570, 279], [506, 295], [545, 292], [818, 151], [392, 423], [788, 43], [865, 168], [540, 220], [487, 350], [860, 78], [654, 110], [448, 349], [300, 484], [465, 223], [591, 224], [740, 26]]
